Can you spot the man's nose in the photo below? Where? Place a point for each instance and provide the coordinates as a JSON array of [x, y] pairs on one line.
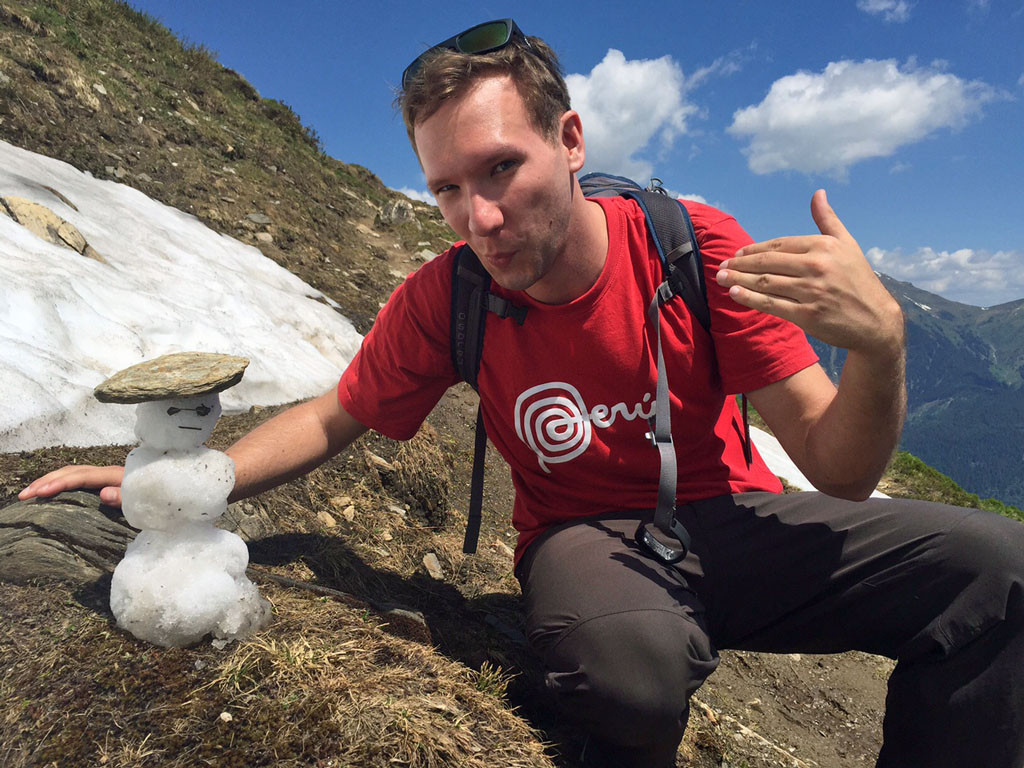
[[485, 217]]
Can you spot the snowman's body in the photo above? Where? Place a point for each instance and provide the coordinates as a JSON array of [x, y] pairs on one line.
[[182, 578]]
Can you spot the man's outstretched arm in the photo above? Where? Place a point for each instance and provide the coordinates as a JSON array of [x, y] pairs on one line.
[[282, 448], [841, 439]]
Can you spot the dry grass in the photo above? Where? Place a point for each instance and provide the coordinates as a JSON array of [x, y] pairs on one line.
[[325, 684]]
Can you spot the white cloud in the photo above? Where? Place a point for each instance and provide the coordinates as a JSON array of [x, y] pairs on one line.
[[629, 105], [899, 168], [415, 194], [891, 10], [852, 111], [1020, 80], [695, 198], [982, 278]]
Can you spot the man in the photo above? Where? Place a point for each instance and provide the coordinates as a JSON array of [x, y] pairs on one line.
[[625, 637]]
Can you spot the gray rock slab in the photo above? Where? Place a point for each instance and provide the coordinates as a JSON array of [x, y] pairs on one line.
[[182, 374], [66, 538]]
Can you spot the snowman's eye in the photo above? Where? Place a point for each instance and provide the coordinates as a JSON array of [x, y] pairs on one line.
[[202, 410]]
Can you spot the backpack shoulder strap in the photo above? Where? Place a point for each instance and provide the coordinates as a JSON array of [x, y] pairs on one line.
[[471, 301], [678, 250]]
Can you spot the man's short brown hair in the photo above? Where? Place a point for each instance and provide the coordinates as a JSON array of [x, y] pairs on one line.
[[446, 74]]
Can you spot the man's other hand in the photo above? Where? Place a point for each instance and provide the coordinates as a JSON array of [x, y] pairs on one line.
[[822, 283], [78, 477]]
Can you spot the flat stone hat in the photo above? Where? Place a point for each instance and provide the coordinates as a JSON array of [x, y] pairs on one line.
[[182, 374]]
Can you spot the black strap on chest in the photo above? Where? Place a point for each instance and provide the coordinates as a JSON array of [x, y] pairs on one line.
[[471, 301]]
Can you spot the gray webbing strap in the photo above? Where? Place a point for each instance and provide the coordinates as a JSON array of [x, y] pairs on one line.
[[661, 434]]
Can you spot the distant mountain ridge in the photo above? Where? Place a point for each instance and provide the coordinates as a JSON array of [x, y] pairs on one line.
[[965, 385]]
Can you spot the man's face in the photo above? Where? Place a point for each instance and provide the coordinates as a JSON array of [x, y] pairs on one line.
[[503, 186]]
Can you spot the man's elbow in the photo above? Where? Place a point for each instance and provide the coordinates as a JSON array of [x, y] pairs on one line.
[[851, 491]]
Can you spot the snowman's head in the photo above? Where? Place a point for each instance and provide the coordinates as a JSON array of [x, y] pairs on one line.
[[179, 424]]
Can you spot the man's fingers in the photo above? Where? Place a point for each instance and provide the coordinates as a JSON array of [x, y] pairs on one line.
[[784, 245], [826, 219], [780, 306], [73, 477]]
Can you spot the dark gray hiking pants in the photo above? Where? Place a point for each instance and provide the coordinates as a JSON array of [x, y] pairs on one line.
[[626, 639]]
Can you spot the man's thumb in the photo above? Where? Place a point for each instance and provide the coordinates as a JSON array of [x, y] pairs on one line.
[[826, 219]]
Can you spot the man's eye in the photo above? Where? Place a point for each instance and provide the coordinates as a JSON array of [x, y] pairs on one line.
[[505, 165]]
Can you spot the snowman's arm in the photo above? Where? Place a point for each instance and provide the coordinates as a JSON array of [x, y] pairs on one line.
[[291, 444]]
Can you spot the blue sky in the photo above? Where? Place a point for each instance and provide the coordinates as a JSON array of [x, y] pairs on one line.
[[910, 114]]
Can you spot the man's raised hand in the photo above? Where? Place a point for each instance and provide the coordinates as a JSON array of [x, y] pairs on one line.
[[822, 283]]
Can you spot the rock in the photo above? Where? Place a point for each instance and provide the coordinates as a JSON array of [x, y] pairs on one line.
[[258, 218], [396, 212], [98, 87], [47, 225], [366, 230], [349, 512], [408, 624], [249, 520], [433, 566], [182, 374], [4, 79], [326, 518], [67, 538], [503, 548], [120, 173], [264, 237], [425, 255]]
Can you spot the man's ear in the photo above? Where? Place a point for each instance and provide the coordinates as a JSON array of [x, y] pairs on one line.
[[572, 139]]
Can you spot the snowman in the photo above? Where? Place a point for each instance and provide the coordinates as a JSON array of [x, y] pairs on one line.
[[181, 578]]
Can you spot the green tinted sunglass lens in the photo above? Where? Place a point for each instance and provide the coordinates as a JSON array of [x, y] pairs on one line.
[[484, 38]]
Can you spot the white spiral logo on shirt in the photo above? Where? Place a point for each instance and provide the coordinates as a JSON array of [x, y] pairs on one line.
[[552, 419]]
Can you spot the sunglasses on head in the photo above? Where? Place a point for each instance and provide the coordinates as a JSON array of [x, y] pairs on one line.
[[483, 38]]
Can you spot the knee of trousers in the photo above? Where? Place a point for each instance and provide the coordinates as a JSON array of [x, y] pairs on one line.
[[984, 562], [629, 675]]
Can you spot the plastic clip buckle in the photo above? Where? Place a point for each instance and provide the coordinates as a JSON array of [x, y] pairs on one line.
[[661, 545]]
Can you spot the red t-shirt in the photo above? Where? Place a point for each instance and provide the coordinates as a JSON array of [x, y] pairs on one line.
[[566, 395]]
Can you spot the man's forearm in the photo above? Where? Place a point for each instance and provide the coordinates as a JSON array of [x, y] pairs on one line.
[[291, 444], [856, 435]]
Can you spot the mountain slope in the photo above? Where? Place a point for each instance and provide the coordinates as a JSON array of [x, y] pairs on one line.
[[965, 367]]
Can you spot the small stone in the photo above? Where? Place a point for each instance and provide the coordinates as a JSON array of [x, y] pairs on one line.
[[397, 510], [144, 177], [386, 535], [264, 237], [755, 704], [408, 624], [503, 548], [4, 79], [795, 656], [98, 87], [425, 255], [200, 664], [120, 173], [349, 512], [326, 518], [339, 502], [433, 566], [182, 374], [258, 218], [225, 717]]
